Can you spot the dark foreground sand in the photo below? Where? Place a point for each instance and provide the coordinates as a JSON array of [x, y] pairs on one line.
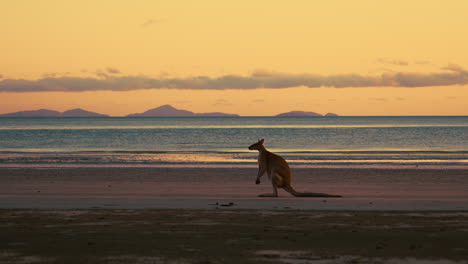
[[157, 215], [227, 236]]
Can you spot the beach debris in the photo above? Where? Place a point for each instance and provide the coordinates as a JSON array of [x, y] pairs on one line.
[[224, 204], [228, 204], [380, 245]]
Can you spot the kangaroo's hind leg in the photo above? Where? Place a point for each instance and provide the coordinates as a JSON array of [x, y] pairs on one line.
[[276, 181], [274, 194]]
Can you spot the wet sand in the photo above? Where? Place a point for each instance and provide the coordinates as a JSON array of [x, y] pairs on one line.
[[208, 188], [156, 215]]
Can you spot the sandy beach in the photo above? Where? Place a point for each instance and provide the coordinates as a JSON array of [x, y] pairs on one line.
[[211, 188], [213, 215]]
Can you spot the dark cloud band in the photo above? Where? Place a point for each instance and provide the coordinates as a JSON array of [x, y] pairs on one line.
[[452, 75]]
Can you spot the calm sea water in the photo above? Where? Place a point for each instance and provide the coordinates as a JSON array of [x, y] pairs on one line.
[[213, 141]]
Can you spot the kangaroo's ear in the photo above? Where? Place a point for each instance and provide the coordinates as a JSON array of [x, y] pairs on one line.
[[261, 141]]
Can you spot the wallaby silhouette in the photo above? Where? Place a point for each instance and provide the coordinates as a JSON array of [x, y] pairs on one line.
[[278, 172]]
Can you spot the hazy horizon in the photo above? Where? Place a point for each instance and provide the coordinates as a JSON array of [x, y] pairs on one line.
[[274, 115]]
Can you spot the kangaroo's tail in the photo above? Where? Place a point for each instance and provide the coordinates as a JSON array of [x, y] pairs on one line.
[[291, 190]]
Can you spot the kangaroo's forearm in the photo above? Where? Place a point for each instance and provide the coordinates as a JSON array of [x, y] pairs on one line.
[[260, 173]]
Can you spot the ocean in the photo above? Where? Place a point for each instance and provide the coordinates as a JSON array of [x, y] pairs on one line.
[[223, 141]]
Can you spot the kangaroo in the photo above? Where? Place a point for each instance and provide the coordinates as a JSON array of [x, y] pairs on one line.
[[278, 172]]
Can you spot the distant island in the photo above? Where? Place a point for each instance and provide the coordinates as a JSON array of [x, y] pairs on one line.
[[298, 113], [161, 111], [168, 110], [303, 113], [51, 113]]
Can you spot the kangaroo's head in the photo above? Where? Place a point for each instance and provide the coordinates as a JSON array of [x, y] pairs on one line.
[[257, 146]]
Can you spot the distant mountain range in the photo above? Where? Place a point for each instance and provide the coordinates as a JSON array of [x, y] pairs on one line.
[[51, 113], [168, 110], [165, 110]]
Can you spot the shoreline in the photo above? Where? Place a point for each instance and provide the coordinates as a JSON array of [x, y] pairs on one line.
[[237, 166]]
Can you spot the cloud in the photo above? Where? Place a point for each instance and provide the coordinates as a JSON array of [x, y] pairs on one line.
[[222, 102], [422, 62], [106, 74], [112, 70], [51, 75], [102, 74], [1, 76], [55, 74], [378, 99], [455, 75], [454, 68], [393, 62], [184, 102], [151, 22]]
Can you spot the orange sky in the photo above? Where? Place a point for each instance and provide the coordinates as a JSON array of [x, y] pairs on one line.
[[413, 53]]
